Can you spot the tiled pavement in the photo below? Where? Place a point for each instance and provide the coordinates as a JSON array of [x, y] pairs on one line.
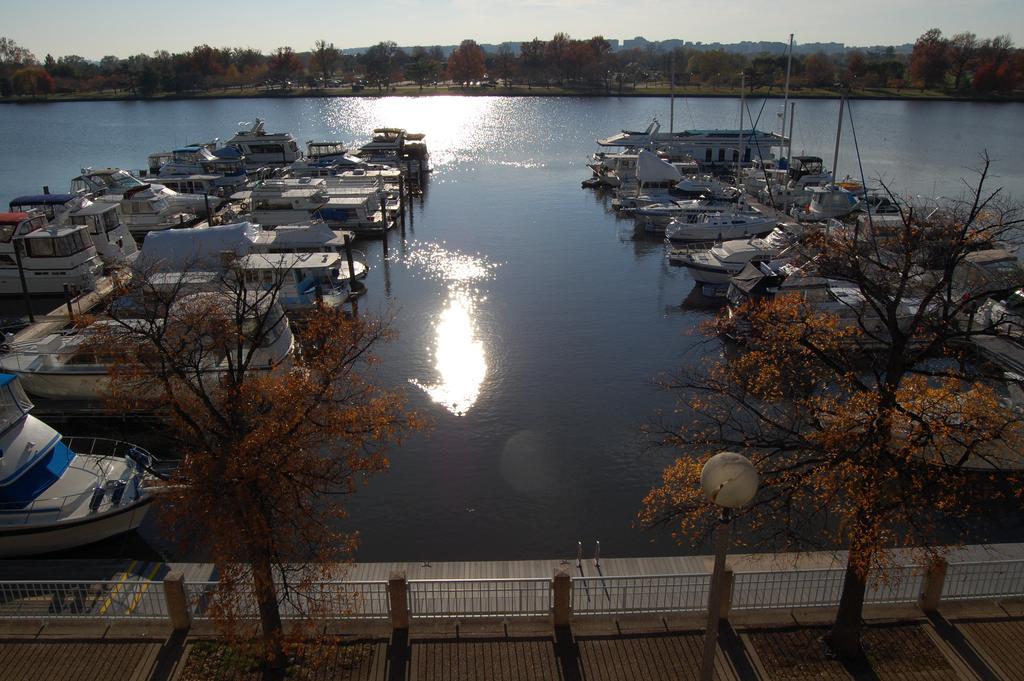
[[976, 642]]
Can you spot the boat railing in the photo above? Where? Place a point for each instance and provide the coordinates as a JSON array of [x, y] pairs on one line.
[[106, 494]]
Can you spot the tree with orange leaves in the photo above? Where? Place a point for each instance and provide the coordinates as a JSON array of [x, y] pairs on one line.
[[868, 422], [271, 439], [466, 63]]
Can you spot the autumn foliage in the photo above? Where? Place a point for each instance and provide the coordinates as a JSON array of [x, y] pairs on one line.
[[268, 453], [868, 423]]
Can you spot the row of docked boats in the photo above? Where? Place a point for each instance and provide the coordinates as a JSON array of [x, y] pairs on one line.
[[200, 224], [51, 242]]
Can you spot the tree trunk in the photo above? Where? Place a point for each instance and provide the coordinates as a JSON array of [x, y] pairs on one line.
[[270, 621], [844, 637]]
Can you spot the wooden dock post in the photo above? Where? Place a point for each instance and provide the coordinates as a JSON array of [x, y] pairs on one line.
[[931, 585], [398, 597], [561, 610], [177, 601]]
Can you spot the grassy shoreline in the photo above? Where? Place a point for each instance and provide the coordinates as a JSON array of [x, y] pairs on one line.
[[658, 90]]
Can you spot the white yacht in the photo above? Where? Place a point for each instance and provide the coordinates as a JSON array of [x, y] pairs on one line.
[[145, 210], [705, 146], [57, 493], [51, 256], [113, 241], [795, 187], [111, 183], [290, 201], [262, 148], [397, 148], [190, 165], [827, 202], [306, 279], [206, 247], [71, 364], [655, 217], [324, 159], [719, 227], [717, 264]]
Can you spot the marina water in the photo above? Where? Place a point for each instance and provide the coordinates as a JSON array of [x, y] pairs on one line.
[[532, 324]]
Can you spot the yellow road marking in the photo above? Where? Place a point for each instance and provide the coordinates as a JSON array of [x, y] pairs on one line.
[[117, 587], [144, 587]]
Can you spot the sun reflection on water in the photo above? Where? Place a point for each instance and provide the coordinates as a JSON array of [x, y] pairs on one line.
[[460, 358], [457, 128]]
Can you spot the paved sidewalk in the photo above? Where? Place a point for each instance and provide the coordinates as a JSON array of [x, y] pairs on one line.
[[966, 642]]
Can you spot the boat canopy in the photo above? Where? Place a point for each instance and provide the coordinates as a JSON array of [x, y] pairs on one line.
[[650, 168], [192, 247], [14, 403], [42, 200]]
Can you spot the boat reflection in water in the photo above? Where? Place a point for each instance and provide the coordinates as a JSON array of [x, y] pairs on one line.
[[460, 358]]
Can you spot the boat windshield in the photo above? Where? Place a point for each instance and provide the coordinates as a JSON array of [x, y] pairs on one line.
[[14, 403], [120, 179]]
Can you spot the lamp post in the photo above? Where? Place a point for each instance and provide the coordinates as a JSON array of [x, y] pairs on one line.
[[729, 481]]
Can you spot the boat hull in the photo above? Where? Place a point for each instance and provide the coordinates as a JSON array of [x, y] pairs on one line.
[[31, 539]]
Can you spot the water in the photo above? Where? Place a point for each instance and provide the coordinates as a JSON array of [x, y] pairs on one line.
[[532, 326]]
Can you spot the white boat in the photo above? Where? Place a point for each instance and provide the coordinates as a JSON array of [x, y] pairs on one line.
[[397, 148], [144, 210], [827, 202], [706, 146], [57, 493], [113, 241], [301, 280], [719, 227], [69, 365], [261, 148], [326, 158], [655, 217], [111, 183], [51, 256], [188, 164], [795, 188], [290, 201], [206, 247], [716, 265]]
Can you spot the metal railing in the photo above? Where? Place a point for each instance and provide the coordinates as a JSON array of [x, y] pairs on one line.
[[333, 600], [988, 579], [647, 594], [479, 597], [112, 600], [820, 588], [515, 597]]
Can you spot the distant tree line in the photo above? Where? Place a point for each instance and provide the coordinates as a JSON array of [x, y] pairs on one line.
[[961, 64]]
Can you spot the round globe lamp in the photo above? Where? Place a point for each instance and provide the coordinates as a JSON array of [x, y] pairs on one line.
[[729, 481]]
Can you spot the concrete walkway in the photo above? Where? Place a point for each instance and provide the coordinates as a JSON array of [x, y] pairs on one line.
[[968, 642]]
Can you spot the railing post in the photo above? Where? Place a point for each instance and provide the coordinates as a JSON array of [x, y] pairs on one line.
[[398, 598], [177, 601], [931, 585], [561, 610], [725, 603]]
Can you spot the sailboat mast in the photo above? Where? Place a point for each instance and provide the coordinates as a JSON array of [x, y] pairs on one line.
[[672, 96], [739, 146], [839, 132], [785, 96], [789, 155]]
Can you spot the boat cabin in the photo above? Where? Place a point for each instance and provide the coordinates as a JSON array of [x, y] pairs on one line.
[[805, 165], [53, 206]]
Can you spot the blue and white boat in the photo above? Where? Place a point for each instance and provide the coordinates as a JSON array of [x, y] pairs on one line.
[[57, 493]]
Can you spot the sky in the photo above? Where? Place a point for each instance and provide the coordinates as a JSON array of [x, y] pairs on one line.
[[62, 27]]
